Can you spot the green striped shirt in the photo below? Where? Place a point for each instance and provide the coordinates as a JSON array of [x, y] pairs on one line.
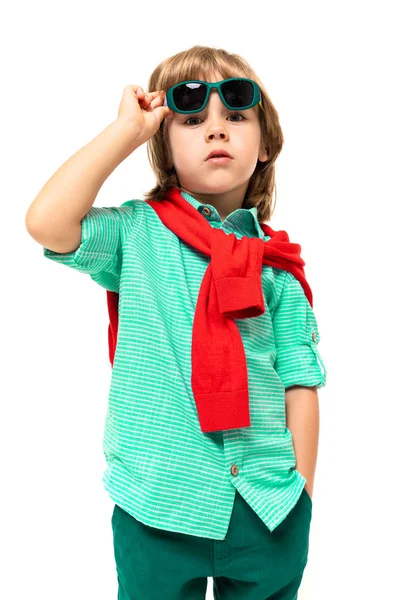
[[161, 468]]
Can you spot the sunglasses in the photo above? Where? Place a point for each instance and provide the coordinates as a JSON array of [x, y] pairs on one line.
[[236, 93]]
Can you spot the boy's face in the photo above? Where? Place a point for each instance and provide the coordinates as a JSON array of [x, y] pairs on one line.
[[192, 137]]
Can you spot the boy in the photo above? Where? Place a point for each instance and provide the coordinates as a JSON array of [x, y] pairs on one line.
[[173, 477]]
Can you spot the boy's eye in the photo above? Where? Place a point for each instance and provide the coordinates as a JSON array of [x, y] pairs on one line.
[[231, 115]]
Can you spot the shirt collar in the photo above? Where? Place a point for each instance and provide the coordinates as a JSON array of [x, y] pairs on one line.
[[246, 216]]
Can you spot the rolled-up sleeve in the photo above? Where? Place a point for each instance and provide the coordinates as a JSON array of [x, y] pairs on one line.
[[298, 360], [100, 251]]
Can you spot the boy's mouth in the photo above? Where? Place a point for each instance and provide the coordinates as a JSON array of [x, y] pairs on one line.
[[220, 153]]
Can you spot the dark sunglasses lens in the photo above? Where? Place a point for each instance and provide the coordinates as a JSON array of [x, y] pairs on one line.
[[238, 93], [189, 96]]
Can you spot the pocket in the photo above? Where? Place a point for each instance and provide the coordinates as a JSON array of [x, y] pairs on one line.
[[113, 515], [308, 496]]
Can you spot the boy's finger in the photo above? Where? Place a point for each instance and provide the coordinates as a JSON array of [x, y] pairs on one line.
[[156, 94], [158, 101]]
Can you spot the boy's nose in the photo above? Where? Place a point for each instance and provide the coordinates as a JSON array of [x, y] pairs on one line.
[[214, 100]]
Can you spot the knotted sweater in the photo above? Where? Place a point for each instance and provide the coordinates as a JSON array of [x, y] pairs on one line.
[[231, 289]]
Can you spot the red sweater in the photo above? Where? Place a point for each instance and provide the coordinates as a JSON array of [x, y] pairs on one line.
[[231, 289]]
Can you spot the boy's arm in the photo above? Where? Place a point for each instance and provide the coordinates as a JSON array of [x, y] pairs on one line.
[[302, 419], [302, 371], [54, 217]]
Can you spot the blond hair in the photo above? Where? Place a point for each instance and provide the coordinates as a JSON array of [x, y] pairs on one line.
[[193, 64]]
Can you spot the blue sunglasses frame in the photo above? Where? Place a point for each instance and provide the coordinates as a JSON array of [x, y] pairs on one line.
[[169, 98]]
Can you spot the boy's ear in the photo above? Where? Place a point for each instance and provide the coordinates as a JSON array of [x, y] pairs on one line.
[[262, 155]]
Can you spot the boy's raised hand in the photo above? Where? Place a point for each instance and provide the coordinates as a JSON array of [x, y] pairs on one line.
[[144, 110]]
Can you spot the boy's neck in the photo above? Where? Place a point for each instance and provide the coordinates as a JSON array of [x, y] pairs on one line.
[[224, 203]]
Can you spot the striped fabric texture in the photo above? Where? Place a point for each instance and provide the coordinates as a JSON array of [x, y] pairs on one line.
[[161, 468]]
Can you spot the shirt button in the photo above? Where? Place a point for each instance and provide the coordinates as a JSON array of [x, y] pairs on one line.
[[234, 469], [207, 211], [314, 336]]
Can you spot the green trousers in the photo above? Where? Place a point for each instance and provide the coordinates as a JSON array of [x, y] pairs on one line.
[[251, 563]]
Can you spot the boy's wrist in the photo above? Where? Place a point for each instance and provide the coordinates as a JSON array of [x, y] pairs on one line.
[[128, 128]]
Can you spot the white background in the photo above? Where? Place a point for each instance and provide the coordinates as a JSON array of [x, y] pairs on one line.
[[332, 71]]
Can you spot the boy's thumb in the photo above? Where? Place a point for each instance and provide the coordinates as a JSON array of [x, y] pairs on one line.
[[162, 112]]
